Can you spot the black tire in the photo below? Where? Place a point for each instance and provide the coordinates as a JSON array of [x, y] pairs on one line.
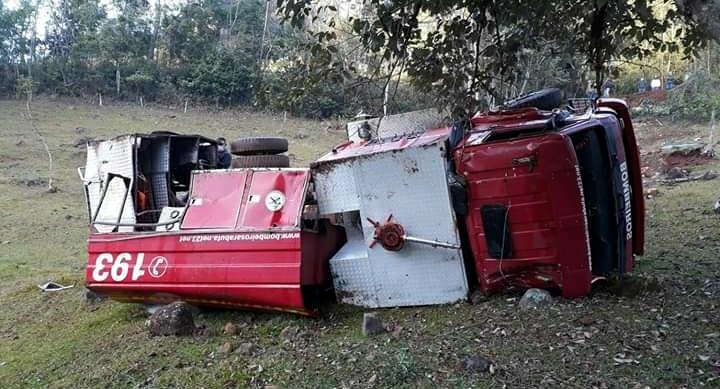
[[249, 161], [544, 99], [259, 145]]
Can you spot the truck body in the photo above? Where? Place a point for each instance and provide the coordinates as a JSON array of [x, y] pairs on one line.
[[517, 199]]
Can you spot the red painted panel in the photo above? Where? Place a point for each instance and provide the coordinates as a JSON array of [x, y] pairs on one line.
[[352, 149], [263, 262], [317, 249], [514, 117], [271, 189], [261, 269], [215, 199], [254, 297], [546, 215]]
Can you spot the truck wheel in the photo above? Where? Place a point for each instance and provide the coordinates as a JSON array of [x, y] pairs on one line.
[[248, 161], [544, 99], [259, 145]]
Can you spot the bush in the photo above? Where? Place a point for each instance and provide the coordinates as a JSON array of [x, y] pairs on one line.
[[223, 75], [695, 98], [25, 87], [286, 90]]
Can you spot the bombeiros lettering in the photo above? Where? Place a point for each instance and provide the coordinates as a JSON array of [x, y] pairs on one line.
[[628, 200]]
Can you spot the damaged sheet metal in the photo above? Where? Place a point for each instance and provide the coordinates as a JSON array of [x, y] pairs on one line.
[[168, 215], [104, 160], [408, 185], [401, 124], [52, 286]]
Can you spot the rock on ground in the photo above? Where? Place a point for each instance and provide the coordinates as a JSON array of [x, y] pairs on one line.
[[372, 325], [82, 141], [231, 329], [676, 173], [478, 297], [172, 319], [477, 363], [586, 321], [32, 180], [290, 332], [652, 192], [93, 296], [709, 175], [535, 298], [245, 348], [226, 348]]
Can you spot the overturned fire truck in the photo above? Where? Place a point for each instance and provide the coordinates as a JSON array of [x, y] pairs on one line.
[[406, 212]]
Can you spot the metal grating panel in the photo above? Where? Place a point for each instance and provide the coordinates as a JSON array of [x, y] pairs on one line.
[[335, 188], [159, 169], [159, 184], [352, 272], [411, 185]]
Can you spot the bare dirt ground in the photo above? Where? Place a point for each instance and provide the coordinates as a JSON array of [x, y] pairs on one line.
[[664, 334]]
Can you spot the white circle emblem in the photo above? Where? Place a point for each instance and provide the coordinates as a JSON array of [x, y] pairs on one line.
[[158, 267], [274, 201]]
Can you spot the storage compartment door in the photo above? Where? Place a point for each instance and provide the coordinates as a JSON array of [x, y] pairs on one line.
[[215, 199]]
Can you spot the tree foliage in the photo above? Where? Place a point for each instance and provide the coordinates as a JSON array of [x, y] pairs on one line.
[[463, 49], [319, 59]]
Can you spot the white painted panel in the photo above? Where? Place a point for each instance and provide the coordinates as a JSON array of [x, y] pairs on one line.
[[169, 214], [411, 185], [335, 188], [354, 280], [111, 156]]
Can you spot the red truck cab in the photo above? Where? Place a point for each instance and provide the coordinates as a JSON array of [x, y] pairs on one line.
[[554, 201]]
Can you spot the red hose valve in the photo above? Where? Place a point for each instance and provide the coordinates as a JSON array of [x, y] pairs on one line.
[[390, 235]]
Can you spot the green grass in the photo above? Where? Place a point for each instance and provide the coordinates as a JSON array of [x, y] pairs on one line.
[[59, 340]]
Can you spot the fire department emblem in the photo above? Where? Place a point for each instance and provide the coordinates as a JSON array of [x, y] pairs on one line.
[[274, 201], [158, 267]]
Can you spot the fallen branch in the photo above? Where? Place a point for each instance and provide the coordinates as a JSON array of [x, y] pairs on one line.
[[707, 176], [51, 186]]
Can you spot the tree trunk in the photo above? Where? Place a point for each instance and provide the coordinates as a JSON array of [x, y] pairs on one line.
[[597, 35], [264, 32], [385, 99], [156, 32], [33, 39], [33, 36], [117, 78], [709, 67], [64, 76], [51, 186]]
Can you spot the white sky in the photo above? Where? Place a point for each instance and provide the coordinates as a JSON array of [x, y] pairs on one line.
[[44, 15]]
